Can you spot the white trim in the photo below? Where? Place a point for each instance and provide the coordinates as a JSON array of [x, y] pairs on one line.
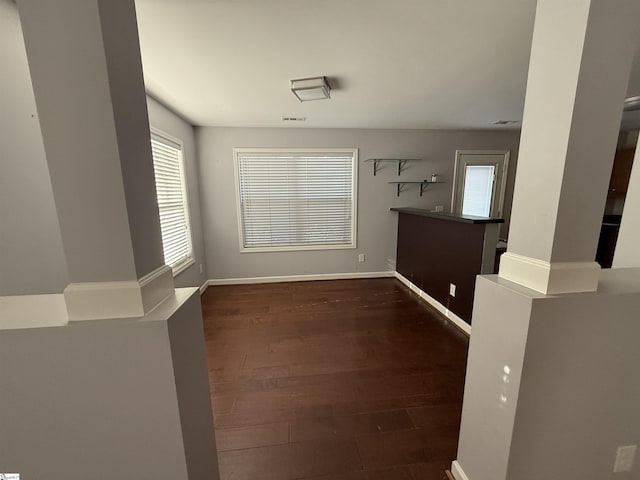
[[204, 286], [125, 299], [299, 278], [100, 300], [457, 472], [550, 278], [155, 287], [182, 265], [449, 315], [298, 248]]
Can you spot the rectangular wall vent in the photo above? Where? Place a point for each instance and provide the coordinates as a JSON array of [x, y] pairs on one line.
[[294, 119]]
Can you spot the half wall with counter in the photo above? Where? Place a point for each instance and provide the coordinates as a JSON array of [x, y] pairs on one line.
[[437, 250]]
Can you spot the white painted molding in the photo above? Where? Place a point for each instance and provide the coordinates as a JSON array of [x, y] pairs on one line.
[[550, 278], [457, 472], [204, 286], [101, 300], [299, 278], [155, 287], [449, 315], [125, 299]]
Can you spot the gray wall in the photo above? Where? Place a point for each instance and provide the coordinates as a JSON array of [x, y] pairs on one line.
[[376, 225], [168, 122], [31, 252], [31, 255]]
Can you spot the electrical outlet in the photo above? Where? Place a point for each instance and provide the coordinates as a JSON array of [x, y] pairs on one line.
[[439, 208], [624, 458], [452, 289], [361, 258]]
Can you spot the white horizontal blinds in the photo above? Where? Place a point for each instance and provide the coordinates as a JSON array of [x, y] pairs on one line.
[[478, 190], [170, 188], [296, 199]]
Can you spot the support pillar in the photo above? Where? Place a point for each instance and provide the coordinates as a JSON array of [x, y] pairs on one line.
[[86, 72], [579, 69], [550, 386], [101, 399]]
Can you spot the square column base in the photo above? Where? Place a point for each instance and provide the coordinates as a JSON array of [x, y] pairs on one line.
[[550, 278], [126, 299], [551, 386]]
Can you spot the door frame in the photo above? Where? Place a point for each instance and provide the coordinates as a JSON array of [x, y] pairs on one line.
[[456, 195]]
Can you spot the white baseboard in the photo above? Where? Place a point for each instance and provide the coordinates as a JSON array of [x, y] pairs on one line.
[[457, 472], [299, 278], [156, 287], [204, 286], [452, 317]]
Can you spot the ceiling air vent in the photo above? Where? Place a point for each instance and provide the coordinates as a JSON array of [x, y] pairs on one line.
[[294, 119], [505, 122]]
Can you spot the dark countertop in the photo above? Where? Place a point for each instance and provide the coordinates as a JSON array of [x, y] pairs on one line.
[[447, 216]]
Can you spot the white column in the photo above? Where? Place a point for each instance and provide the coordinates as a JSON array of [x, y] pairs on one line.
[[543, 361], [627, 252], [85, 66], [578, 73]]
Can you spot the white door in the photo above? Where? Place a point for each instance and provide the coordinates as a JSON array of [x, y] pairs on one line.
[[479, 182]]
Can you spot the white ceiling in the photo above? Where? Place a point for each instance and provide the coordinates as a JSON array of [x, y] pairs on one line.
[[392, 63]]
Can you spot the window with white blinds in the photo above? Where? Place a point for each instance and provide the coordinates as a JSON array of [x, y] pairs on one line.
[[168, 166], [296, 199]]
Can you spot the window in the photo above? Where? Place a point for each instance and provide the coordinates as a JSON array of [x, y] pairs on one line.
[[478, 190], [168, 166], [480, 178], [296, 199]]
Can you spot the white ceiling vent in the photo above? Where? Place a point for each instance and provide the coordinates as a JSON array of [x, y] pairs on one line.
[[293, 119]]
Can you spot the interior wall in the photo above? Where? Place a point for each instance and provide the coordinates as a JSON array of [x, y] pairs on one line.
[[31, 251], [377, 226]]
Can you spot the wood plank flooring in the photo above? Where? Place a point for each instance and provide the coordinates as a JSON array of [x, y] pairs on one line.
[[332, 380]]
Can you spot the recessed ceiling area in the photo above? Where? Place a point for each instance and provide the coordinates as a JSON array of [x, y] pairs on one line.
[[390, 64]]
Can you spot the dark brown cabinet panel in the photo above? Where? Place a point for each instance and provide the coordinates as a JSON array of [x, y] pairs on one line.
[[622, 164], [433, 253]]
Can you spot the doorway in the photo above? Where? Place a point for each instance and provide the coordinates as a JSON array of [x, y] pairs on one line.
[[479, 182]]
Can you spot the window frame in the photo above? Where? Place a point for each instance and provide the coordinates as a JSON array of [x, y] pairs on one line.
[[171, 141], [500, 185], [293, 248]]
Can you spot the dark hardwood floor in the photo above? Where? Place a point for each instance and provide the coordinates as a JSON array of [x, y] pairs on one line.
[[340, 380]]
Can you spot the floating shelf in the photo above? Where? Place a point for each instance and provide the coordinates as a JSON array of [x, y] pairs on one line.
[[423, 186], [401, 163]]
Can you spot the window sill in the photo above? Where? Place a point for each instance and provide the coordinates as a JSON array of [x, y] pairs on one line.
[[297, 248], [182, 266]]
